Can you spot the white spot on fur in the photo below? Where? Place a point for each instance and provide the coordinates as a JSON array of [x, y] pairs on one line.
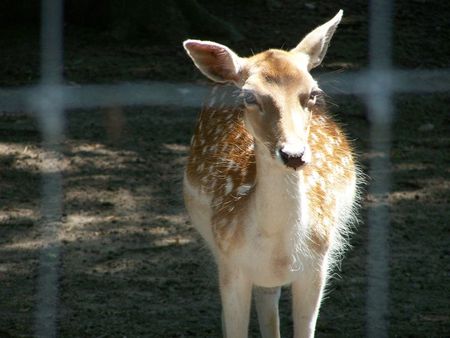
[[326, 222], [314, 177], [322, 183], [228, 185], [330, 177], [204, 180], [232, 164], [319, 159], [321, 132], [244, 189], [345, 160], [218, 132], [329, 149]]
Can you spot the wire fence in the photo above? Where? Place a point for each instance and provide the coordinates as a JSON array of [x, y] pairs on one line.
[[50, 98]]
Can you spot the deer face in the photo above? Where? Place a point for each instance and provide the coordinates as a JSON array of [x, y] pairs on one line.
[[279, 94], [277, 89]]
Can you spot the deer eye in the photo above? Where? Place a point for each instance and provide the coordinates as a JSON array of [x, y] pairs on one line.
[[315, 95], [249, 97]]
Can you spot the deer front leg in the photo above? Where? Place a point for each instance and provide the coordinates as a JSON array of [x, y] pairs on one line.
[[307, 293], [266, 302], [236, 292]]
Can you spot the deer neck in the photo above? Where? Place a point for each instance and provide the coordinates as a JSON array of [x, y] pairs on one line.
[[279, 198]]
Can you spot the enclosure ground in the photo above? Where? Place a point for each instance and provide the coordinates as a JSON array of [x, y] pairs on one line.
[[132, 266]]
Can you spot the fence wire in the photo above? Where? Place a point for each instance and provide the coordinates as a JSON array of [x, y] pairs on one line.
[[50, 98], [363, 83]]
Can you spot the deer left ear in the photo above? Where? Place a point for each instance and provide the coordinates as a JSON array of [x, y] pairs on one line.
[[216, 61], [315, 44]]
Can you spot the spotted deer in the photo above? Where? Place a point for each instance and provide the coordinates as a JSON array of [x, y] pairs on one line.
[[271, 181]]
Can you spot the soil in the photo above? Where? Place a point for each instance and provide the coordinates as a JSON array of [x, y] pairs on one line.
[[131, 265]]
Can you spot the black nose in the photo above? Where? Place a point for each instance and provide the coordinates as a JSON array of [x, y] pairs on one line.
[[292, 160]]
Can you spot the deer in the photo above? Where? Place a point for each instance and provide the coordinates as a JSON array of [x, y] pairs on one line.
[[271, 182]]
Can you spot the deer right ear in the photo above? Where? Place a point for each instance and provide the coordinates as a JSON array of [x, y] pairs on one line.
[[216, 61], [315, 44]]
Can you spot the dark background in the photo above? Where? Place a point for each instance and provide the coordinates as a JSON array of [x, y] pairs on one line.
[[131, 264]]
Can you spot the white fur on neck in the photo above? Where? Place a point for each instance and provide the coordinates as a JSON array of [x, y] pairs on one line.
[[279, 197], [281, 208]]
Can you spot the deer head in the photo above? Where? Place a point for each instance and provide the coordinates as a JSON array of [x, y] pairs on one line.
[[278, 91]]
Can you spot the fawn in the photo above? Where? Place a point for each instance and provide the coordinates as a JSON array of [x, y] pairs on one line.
[[271, 182]]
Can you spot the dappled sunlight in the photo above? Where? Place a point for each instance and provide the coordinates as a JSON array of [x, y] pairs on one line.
[[158, 231], [24, 244], [12, 148], [97, 149], [76, 221], [18, 216], [412, 166], [180, 219], [426, 189], [371, 155], [125, 203], [97, 156], [176, 240], [119, 265], [178, 148]]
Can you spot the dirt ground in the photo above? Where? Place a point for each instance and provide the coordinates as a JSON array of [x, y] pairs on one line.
[[132, 266]]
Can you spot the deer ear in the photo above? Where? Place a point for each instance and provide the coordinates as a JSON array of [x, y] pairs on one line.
[[315, 44], [216, 61]]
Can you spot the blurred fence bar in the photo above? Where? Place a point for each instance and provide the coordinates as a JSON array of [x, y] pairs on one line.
[[23, 100], [49, 107], [381, 110]]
